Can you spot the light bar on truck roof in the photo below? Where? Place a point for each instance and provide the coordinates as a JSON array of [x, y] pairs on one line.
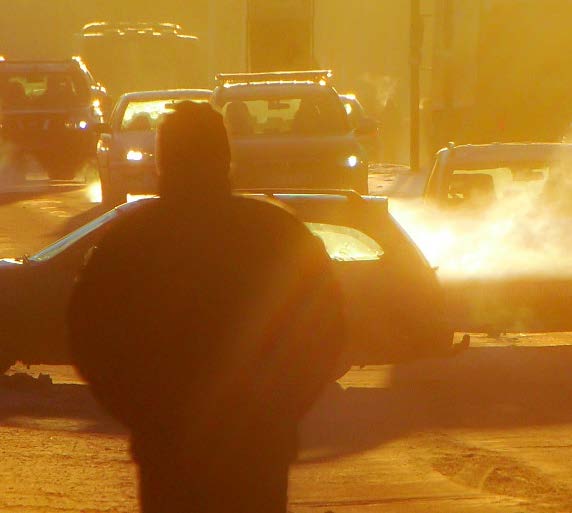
[[318, 76], [140, 28]]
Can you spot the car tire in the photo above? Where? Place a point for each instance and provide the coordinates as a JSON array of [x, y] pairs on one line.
[[6, 361], [60, 167], [362, 186], [111, 196], [62, 171]]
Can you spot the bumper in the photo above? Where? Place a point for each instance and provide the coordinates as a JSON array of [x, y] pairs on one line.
[[390, 317], [134, 178]]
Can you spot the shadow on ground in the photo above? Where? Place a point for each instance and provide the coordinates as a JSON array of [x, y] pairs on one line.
[[484, 388]]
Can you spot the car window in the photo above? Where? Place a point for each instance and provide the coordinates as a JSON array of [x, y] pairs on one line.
[[346, 244], [311, 115], [146, 115], [486, 186], [33, 90], [75, 236]]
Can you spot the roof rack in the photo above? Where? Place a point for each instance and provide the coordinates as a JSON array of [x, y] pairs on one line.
[[123, 28], [318, 76]]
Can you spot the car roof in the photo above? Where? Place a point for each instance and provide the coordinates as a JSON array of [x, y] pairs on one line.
[[48, 65], [166, 93], [475, 155], [269, 89]]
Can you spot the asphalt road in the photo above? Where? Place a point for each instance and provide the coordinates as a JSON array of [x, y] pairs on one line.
[[488, 431]]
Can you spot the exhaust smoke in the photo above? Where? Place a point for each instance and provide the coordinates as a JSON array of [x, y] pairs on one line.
[[524, 231]]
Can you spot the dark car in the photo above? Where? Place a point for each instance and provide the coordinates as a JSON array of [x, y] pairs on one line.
[[394, 304], [505, 210], [50, 110], [290, 129]]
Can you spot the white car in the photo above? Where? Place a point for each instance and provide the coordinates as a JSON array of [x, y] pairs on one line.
[[500, 216], [126, 149], [289, 129]]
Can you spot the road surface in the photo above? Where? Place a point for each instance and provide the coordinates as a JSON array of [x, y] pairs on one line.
[[489, 431]]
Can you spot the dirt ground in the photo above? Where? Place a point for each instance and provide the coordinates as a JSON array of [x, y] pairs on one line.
[[488, 431]]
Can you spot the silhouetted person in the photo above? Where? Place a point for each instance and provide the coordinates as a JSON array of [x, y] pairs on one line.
[[208, 324], [238, 120]]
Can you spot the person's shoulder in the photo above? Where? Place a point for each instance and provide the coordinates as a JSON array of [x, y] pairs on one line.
[[131, 221]]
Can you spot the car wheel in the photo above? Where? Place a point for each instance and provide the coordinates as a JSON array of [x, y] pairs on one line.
[[6, 361], [362, 186], [112, 196], [62, 171], [60, 167]]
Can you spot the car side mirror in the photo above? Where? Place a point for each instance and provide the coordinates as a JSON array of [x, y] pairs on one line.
[[366, 126]]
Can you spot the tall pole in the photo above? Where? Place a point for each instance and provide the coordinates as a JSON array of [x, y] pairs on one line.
[[416, 39]]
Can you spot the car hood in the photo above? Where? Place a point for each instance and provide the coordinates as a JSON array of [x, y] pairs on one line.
[[290, 148]]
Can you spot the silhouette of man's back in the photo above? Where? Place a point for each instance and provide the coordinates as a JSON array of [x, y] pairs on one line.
[[207, 324]]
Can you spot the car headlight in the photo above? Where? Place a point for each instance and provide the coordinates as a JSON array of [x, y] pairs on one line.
[[134, 156], [352, 161], [79, 124]]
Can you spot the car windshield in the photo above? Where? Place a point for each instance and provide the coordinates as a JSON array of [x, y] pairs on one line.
[[32, 90], [311, 115], [145, 115]]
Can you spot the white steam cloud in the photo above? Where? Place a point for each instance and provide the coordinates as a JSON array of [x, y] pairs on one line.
[[524, 233]]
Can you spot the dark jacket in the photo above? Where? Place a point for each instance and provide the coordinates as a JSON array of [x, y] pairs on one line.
[[216, 323]]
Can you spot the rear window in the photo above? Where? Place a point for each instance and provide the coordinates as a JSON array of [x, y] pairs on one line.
[[37, 90], [322, 114], [345, 244]]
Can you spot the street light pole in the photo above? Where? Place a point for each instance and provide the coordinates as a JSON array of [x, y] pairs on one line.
[[416, 39]]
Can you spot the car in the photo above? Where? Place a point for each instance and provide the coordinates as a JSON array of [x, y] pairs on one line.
[[367, 129], [505, 208], [393, 301], [50, 110], [126, 147], [289, 129]]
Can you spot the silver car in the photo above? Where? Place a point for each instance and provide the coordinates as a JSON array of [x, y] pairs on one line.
[[290, 129], [126, 149]]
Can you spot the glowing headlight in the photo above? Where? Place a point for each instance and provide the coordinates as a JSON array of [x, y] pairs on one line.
[[351, 161], [81, 124], [134, 155]]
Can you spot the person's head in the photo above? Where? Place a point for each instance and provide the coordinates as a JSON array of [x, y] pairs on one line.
[[193, 154], [237, 119]]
